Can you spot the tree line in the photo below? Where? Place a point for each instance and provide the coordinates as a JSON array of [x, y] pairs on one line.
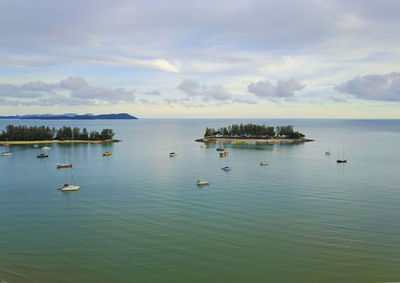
[[35, 133], [253, 131]]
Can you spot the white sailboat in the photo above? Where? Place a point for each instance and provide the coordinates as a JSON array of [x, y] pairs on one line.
[[68, 187], [6, 153]]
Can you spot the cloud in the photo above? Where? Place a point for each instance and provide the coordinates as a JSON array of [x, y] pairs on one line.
[[153, 92], [337, 99], [148, 102], [283, 89], [373, 87], [244, 101], [69, 91], [74, 83], [192, 89]]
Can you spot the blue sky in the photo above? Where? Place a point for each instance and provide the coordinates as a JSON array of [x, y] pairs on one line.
[[201, 59]]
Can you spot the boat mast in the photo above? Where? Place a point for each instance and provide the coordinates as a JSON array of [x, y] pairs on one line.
[[68, 176]]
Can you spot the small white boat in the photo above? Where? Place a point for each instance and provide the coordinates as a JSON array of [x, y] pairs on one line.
[[173, 154], [263, 163], [202, 182], [46, 148], [6, 154], [68, 187], [226, 168], [203, 146]]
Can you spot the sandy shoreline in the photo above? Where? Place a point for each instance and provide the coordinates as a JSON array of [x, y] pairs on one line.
[[58, 141], [273, 140]]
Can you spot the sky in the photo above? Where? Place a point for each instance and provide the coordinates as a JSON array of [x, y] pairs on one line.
[[201, 59]]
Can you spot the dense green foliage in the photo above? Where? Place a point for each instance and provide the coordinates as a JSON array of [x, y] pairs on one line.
[[253, 131], [24, 133]]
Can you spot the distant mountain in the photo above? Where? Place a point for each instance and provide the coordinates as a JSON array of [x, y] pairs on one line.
[[72, 116]]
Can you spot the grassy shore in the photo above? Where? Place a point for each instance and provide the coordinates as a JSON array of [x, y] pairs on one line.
[[272, 140], [58, 141]]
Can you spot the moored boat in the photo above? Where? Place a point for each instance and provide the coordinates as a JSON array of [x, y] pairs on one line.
[[107, 153], [263, 163], [220, 149], [68, 187], [42, 155], [46, 148], [341, 160], [202, 182], [173, 154], [7, 152], [226, 168]]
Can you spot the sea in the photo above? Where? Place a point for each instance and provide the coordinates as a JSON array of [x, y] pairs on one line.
[[140, 217]]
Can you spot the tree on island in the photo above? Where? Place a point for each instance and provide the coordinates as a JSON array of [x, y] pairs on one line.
[[253, 131], [24, 133]]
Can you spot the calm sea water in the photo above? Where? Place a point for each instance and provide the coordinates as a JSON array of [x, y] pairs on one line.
[[139, 215]]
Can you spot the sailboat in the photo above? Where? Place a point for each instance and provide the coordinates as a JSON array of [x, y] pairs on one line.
[[6, 153], [328, 152], [341, 160], [67, 187], [64, 165]]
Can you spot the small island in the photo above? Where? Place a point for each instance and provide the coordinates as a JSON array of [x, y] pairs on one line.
[[252, 133], [44, 134]]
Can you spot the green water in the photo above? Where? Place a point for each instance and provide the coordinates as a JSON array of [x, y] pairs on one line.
[[139, 216]]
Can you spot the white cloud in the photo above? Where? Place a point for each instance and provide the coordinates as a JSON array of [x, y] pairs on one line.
[[69, 91], [191, 88], [373, 87], [283, 89]]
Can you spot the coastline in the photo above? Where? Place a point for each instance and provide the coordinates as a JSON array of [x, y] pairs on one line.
[[252, 140], [58, 141]]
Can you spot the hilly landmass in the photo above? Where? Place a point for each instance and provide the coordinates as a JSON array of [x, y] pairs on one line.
[[72, 116]]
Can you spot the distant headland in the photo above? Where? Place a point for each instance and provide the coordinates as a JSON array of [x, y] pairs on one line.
[[73, 116], [252, 133]]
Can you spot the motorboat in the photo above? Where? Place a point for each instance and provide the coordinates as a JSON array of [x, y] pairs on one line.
[[173, 154], [263, 163], [46, 148], [42, 155], [327, 153], [107, 153], [226, 168], [223, 154], [220, 149], [202, 182]]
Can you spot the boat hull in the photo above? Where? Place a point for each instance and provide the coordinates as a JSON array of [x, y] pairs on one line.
[[69, 188], [64, 165], [6, 154]]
